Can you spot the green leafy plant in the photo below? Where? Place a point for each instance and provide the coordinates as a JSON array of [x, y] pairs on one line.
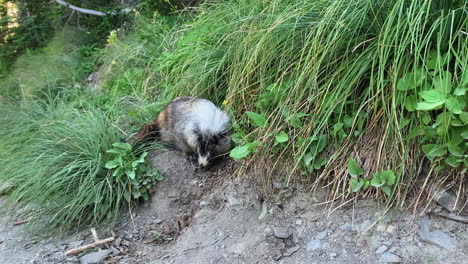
[[384, 180], [66, 184], [443, 109], [355, 171], [132, 171]]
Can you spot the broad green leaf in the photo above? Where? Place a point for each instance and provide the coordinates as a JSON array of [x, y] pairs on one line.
[[433, 150], [308, 157], [415, 132], [459, 91], [126, 196], [426, 106], [240, 152], [411, 102], [259, 120], [465, 78], [130, 174], [464, 117], [295, 119], [411, 80], [112, 164], [452, 161], [405, 121], [237, 137], [356, 184], [456, 123], [432, 96], [453, 105], [353, 168], [348, 121], [464, 134], [443, 82], [366, 184], [426, 119], [436, 61], [282, 137], [253, 145], [319, 163], [117, 151], [376, 180], [387, 190], [123, 145], [388, 176], [336, 128], [143, 156], [117, 172], [322, 141]]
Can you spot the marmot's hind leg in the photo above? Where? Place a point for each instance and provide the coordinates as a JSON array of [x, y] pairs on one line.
[[148, 132]]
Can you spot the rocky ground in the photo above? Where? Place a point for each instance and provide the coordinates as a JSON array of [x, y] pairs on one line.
[[207, 217]]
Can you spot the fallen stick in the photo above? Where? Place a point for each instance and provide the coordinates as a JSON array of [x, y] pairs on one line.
[[20, 222], [454, 217], [92, 245]]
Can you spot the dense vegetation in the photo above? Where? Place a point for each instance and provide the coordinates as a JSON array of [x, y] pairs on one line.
[[351, 94]]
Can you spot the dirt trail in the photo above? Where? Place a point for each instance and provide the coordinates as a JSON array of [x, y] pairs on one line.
[[204, 217]]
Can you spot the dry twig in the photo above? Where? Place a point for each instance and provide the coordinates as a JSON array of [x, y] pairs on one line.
[[96, 243]]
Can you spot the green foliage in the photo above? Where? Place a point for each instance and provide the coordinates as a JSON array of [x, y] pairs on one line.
[[66, 185], [243, 151], [258, 120], [354, 169], [52, 67], [165, 7], [384, 180], [130, 60], [135, 172], [31, 29], [97, 27], [327, 73], [444, 110]]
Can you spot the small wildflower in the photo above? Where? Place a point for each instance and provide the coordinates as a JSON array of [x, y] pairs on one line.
[[225, 102], [113, 62], [87, 32]]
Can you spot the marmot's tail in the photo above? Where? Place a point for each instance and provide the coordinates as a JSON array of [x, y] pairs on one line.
[[147, 132]]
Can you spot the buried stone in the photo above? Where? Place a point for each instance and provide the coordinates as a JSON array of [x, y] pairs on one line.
[[437, 238]]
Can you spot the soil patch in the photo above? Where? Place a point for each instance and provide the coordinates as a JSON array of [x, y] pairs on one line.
[[206, 217]]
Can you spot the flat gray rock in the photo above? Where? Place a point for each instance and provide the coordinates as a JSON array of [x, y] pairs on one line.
[[232, 200], [281, 232], [322, 234], [314, 244], [437, 238], [381, 249], [95, 257], [389, 258], [346, 227]]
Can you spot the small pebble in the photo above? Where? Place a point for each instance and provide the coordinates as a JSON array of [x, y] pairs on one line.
[[381, 249], [389, 258], [281, 232], [204, 204], [268, 231]]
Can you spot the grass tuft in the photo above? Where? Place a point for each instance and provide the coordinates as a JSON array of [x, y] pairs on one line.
[[53, 160]]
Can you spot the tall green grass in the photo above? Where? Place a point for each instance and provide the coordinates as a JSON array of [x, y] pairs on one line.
[[325, 73], [53, 157]]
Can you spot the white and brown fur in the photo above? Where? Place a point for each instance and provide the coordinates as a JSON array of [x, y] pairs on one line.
[[193, 125]]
